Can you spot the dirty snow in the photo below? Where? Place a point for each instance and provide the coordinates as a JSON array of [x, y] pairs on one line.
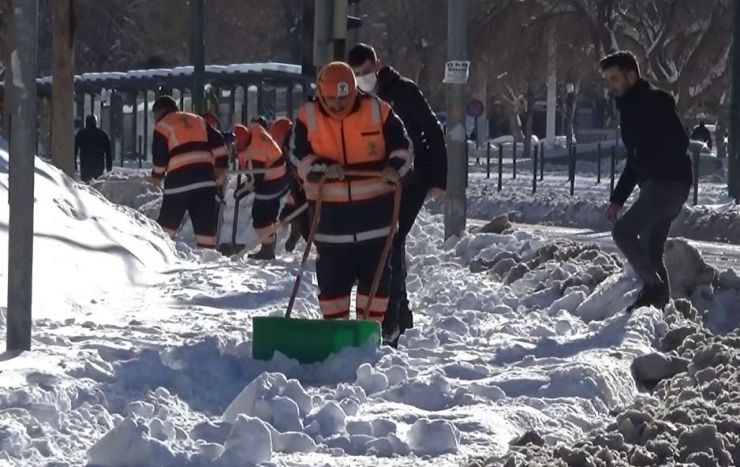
[[149, 363]]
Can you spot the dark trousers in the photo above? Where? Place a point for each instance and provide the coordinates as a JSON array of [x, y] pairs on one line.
[[202, 206], [642, 231], [412, 200], [89, 173], [339, 266]]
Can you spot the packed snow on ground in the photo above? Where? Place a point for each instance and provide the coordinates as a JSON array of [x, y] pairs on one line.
[[515, 333], [716, 218]]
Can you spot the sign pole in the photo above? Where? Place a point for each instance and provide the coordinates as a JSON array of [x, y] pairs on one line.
[[22, 163], [456, 78]]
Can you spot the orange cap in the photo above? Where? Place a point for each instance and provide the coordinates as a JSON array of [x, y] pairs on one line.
[[337, 80], [280, 129]]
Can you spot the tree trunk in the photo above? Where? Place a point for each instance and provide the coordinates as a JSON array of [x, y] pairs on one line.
[[62, 93], [7, 51], [529, 120], [515, 123]]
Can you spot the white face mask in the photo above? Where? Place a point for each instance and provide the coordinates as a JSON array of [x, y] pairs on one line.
[[367, 82]]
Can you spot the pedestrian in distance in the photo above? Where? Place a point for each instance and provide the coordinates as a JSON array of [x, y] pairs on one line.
[[93, 148], [429, 178], [658, 161], [702, 133]]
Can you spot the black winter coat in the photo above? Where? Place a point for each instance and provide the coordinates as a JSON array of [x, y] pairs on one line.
[[94, 149], [422, 126], [656, 141]]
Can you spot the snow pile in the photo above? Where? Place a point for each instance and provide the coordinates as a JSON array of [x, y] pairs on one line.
[[691, 414], [82, 245]]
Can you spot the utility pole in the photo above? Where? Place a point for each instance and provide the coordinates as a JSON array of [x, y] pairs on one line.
[[552, 85], [733, 160], [456, 77], [22, 162], [197, 55], [63, 87]]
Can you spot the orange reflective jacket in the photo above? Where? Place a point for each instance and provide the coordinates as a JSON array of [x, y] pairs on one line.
[[263, 153], [354, 141], [187, 141]]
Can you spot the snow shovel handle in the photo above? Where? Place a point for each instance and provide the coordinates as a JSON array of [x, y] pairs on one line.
[[386, 248], [314, 227]]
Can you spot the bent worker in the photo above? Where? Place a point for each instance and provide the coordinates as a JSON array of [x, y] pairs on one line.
[[341, 130], [262, 160], [183, 149], [281, 131]]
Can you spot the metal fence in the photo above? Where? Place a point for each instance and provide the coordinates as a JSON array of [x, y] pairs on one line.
[[495, 159]]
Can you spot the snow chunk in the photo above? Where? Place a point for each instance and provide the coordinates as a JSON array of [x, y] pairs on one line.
[[249, 442], [370, 380], [292, 443], [129, 444], [433, 437], [330, 418]]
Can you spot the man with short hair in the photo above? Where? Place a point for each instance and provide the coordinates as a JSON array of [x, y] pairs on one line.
[[430, 163], [657, 161]]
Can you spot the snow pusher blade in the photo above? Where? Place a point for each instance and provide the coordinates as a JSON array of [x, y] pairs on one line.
[[310, 341]]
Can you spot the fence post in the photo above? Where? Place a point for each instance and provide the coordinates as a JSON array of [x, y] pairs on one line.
[[534, 169], [500, 166], [614, 167], [573, 171], [697, 158], [488, 160], [514, 161], [467, 164], [542, 161], [140, 150], [598, 163]]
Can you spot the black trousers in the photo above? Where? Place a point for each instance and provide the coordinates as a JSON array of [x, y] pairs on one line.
[[399, 311], [202, 206], [642, 231], [89, 173], [339, 266]]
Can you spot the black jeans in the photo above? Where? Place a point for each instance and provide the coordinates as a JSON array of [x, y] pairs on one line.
[[412, 200], [642, 231]]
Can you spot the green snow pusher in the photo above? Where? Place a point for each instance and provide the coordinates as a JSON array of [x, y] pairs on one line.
[[311, 341]]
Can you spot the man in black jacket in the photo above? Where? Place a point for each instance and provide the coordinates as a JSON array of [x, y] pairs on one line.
[[93, 147], [702, 133], [657, 161], [430, 163]]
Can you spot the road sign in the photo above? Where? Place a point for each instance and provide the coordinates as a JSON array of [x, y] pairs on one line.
[[475, 108]]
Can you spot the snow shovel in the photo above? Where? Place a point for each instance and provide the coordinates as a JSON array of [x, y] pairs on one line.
[[288, 219], [310, 341], [228, 249]]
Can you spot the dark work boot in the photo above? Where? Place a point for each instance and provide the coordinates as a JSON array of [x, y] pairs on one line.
[[295, 235], [662, 296], [390, 329], [649, 296], [266, 253], [405, 319]]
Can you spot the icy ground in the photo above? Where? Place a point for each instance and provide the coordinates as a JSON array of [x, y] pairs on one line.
[[142, 349]]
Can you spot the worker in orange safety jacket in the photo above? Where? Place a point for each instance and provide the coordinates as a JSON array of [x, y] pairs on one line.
[[281, 131], [261, 160], [345, 129], [190, 157]]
